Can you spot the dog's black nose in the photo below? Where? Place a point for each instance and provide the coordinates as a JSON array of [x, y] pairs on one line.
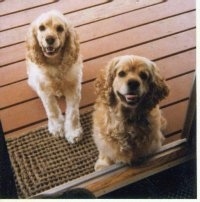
[[133, 84], [50, 40]]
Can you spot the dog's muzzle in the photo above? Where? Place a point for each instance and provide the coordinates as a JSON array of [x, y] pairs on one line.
[[50, 49]]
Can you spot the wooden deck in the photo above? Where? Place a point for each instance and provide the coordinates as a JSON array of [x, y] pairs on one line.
[[161, 30]]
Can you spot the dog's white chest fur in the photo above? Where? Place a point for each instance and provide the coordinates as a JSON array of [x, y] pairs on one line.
[[53, 80]]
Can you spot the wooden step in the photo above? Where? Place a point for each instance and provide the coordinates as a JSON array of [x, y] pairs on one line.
[[108, 44], [112, 24], [27, 16]]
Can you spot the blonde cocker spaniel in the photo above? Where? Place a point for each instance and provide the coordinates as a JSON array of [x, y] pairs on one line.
[[127, 120], [54, 68]]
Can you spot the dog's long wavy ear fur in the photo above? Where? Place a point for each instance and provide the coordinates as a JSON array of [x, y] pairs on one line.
[[158, 89], [104, 81], [33, 50], [71, 47]]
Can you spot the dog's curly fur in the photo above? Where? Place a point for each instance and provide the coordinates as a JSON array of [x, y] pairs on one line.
[[127, 119], [54, 68]]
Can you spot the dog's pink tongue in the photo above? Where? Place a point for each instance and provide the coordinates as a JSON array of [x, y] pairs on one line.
[[130, 98]]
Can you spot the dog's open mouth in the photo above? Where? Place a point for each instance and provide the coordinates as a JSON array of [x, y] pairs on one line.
[[50, 51], [130, 98]]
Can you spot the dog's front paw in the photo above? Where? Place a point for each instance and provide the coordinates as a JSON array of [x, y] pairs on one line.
[[56, 127], [73, 136], [101, 164]]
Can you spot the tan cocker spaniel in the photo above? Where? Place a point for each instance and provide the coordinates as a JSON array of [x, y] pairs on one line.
[[54, 68], [127, 119]]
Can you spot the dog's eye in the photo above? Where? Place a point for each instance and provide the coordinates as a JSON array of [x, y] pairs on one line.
[[41, 27], [122, 74], [143, 75], [60, 28]]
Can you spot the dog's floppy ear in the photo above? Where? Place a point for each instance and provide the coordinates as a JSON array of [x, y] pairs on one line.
[[158, 89], [159, 86], [33, 50], [71, 47], [104, 81]]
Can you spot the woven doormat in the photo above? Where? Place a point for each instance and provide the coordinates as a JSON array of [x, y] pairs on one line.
[[41, 161]]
